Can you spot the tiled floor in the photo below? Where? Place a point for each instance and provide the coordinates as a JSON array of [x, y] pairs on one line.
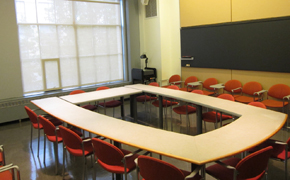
[[16, 140]]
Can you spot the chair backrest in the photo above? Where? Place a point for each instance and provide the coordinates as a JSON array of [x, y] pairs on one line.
[[107, 153], [78, 91], [251, 87], [102, 88], [254, 164], [233, 84], [48, 127], [279, 91], [71, 140], [32, 115], [173, 87], [154, 84], [258, 104], [190, 79], [208, 82], [197, 91], [227, 97], [2, 156], [154, 169], [174, 78]]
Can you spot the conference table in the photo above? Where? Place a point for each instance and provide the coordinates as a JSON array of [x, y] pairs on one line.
[[253, 126]]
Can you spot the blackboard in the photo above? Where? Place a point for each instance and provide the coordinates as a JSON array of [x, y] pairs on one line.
[[259, 45]]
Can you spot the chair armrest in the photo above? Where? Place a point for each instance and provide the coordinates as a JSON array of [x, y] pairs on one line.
[[233, 90], [272, 141], [86, 140], [131, 154], [217, 86], [175, 82], [260, 92], [225, 165], [287, 97], [193, 173], [196, 83]]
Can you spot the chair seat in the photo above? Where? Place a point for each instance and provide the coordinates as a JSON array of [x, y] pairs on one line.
[[245, 99], [6, 175], [274, 103], [144, 98], [223, 173], [119, 169], [111, 104], [89, 107], [88, 150], [182, 109], [165, 103], [211, 116], [207, 93]]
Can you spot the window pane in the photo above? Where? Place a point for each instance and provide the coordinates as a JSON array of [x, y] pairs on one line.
[[32, 75], [48, 42], [69, 72], [28, 42], [64, 12], [51, 74], [67, 42], [85, 41], [25, 11], [45, 11], [87, 70]]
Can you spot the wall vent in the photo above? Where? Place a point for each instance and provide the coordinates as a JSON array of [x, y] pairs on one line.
[[151, 9]]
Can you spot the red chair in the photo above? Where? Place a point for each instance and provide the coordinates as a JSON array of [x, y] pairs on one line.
[[76, 146], [186, 110], [281, 95], [154, 169], [251, 91], [113, 159], [252, 167], [187, 87], [87, 106], [108, 104], [167, 102], [233, 86], [214, 116], [174, 80], [207, 90], [258, 104], [2, 156], [9, 172], [281, 151], [35, 124]]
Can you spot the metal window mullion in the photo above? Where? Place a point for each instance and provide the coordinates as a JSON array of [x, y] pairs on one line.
[[77, 47], [124, 40]]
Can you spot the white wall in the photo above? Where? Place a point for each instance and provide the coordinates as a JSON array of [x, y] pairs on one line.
[[10, 70], [160, 38]]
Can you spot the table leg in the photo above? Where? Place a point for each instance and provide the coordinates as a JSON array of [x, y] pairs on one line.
[[160, 98], [199, 119], [122, 108], [133, 107]]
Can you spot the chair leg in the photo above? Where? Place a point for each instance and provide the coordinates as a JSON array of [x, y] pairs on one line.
[[286, 168], [44, 147], [38, 142], [84, 167], [31, 137], [63, 161], [55, 147], [180, 122]]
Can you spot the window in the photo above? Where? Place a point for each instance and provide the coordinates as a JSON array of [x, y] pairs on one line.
[[67, 44]]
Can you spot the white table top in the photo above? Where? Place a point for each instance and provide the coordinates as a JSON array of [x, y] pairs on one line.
[[100, 95], [254, 126]]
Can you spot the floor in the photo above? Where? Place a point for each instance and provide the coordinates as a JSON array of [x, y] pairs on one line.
[[15, 137]]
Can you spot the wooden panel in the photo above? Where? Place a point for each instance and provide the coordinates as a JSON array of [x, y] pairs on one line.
[[267, 79], [200, 12], [222, 75], [259, 9]]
